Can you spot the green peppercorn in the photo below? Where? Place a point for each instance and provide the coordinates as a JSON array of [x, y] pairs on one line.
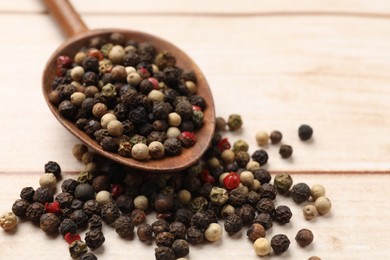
[[77, 249], [234, 122], [283, 182]]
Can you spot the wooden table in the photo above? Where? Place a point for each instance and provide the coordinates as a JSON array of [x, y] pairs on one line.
[[277, 63]]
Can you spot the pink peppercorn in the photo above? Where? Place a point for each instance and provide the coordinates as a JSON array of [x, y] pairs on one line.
[[53, 207], [196, 108], [231, 181], [70, 238], [223, 144], [154, 82], [188, 139], [116, 190]]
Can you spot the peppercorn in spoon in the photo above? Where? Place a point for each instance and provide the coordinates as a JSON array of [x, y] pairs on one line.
[[81, 36]]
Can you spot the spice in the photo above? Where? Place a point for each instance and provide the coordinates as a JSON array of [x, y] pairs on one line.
[[27, 194], [247, 214], [262, 138], [282, 214], [164, 239], [48, 180], [309, 212], [163, 203], [94, 238], [246, 178], [63, 199], [145, 232], [260, 156], [8, 221], [275, 137], [115, 128], [67, 226], [300, 192], [140, 151], [265, 205], [159, 226], [91, 207], [172, 146], [200, 220], [180, 247], [233, 224], [156, 150], [237, 197], [178, 230], [283, 182], [323, 205], [255, 231], [95, 222], [220, 124], [285, 151], [218, 196], [264, 219], [280, 243], [231, 180], [88, 256], [53, 167], [84, 192], [262, 175], [19, 207], [262, 246], [125, 203], [49, 223], [69, 185], [70, 238], [234, 122], [164, 253], [77, 249], [35, 211], [79, 217], [304, 237], [109, 213], [43, 195], [317, 191], [305, 132], [195, 235], [268, 191], [314, 258], [242, 158]]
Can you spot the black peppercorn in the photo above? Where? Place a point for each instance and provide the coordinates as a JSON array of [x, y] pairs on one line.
[[27, 194], [124, 226], [77, 249], [300, 192], [253, 198], [285, 151], [43, 195], [64, 199], [231, 167], [195, 235], [247, 214], [95, 222], [66, 109], [76, 204], [145, 232], [159, 226], [304, 237], [84, 192], [92, 126], [178, 230], [268, 191], [242, 158], [125, 203], [20, 207], [100, 183], [138, 216], [91, 207], [163, 203], [94, 238], [237, 197], [233, 224], [265, 205], [191, 184], [260, 156], [255, 231], [53, 167], [49, 223], [35, 211], [280, 243], [181, 248], [276, 137], [200, 220], [88, 256], [264, 219], [79, 217], [69, 185], [262, 175], [164, 253], [172, 146], [164, 239], [109, 144], [67, 226], [91, 64], [305, 132], [184, 216], [109, 213], [282, 214]]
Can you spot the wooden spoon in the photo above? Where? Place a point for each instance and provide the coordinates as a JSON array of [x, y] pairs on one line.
[[79, 36]]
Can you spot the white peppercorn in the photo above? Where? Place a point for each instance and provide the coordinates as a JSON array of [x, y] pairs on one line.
[[140, 151], [323, 205], [141, 202], [174, 119], [88, 157], [8, 221], [317, 191], [262, 138], [79, 57], [99, 110], [116, 54], [155, 96], [191, 87], [247, 178], [134, 78], [309, 212], [255, 185], [48, 180], [184, 197], [228, 155], [213, 162], [262, 246], [77, 73], [252, 166], [107, 118], [213, 232], [130, 69], [227, 210], [156, 150], [173, 132], [115, 128], [77, 98], [103, 197], [222, 177]]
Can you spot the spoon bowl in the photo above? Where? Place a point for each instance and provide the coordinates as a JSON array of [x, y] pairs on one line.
[[80, 36]]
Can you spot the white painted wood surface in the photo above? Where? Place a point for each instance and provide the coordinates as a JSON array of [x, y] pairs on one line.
[[277, 63]]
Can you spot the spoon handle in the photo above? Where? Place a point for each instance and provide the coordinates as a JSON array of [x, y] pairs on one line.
[[66, 16]]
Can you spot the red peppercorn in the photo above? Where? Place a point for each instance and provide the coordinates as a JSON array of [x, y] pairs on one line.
[[116, 190], [143, 72], [53, 207], [231, 181], [64, 62], [196, 108], [70, 238], [154, 82], [95, 53], [188, 139], [223, 144], [209, 179]]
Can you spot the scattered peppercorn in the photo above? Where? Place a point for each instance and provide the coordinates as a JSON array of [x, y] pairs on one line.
[[233, 224], [280, 243], [260, 156], [305, 132], [94, 238], [262, 138], [300, 192], [77, 249], [234, 122], [49, 223], [282, 214], [8, 221], [53, 167], [88, 256], [276, 137], [309, 212], [265, 220], [19, 207], [145, 232], [304, 237], [283, 182], [255, 231], [262, 246], [285, 151], [323, 205]]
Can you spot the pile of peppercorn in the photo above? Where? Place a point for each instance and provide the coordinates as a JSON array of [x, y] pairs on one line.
[[129, 97]]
